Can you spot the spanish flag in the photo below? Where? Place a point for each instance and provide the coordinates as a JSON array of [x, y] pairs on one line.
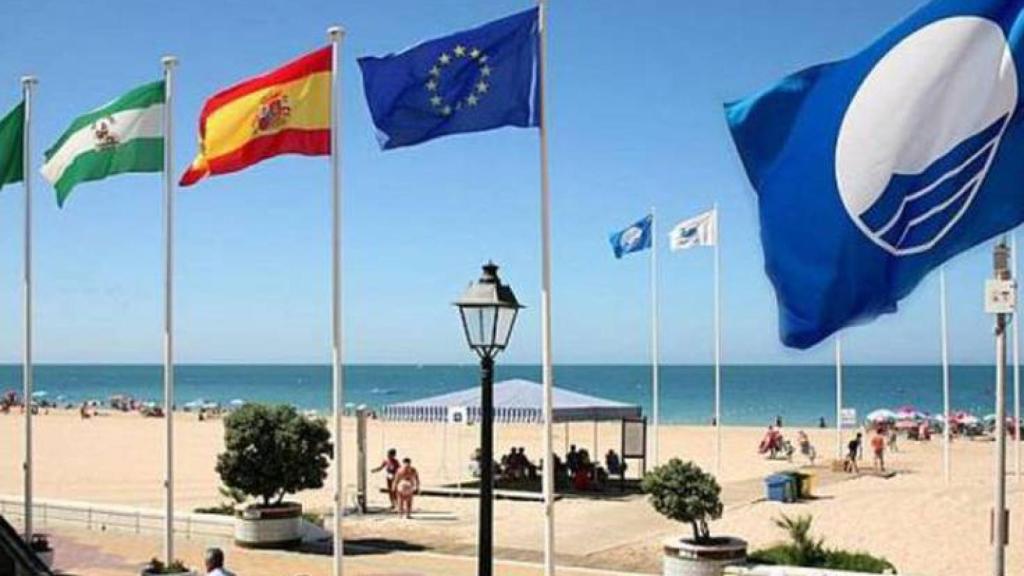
[[286, 111]]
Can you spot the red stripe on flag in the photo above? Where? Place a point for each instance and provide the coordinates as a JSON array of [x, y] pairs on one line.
[[289, 141]]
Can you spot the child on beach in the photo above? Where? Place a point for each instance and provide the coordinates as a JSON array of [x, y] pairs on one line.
[[407, 484], [390, 465], [851, 458]]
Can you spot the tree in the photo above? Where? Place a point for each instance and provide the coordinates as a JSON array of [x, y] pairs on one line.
[[272, 451], [683, 492]]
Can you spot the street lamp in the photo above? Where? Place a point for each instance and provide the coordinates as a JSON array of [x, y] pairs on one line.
[[488, 309]]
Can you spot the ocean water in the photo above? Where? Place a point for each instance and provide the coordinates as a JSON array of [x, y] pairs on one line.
[[751, 395]]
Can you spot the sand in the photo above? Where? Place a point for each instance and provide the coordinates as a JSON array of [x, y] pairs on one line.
[[914, 519]]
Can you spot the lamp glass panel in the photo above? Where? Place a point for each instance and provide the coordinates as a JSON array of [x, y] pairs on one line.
[[506, 318], [480, 323]]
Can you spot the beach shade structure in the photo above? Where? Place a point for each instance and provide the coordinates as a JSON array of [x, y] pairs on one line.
[[515, 401], [196, 404], [908, 413], [40, 394], [881, 416], [237, 403]]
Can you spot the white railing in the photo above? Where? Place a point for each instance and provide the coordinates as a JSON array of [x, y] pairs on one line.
[[46, 513], [786, 571]]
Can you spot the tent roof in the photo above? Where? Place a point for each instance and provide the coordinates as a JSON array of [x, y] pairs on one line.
[[517, 400]]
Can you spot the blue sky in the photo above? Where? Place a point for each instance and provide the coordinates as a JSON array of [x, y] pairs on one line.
[[635, 95]]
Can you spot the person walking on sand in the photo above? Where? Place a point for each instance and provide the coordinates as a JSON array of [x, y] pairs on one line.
[[878, 447], [214, 562], [407, 484], [851, 459], [390, 466]]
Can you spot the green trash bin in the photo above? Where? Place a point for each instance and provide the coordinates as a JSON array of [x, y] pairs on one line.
[[801, 484]]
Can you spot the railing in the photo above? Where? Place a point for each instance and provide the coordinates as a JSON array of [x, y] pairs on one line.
[[48, 513], [786, 571]]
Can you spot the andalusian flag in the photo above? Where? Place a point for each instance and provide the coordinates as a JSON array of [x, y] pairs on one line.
[[286, 111], [125, 135], [12, 130]]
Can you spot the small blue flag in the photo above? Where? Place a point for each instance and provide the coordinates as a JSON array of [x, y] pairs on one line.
[[633, 239], [470, 81], [874, 170]]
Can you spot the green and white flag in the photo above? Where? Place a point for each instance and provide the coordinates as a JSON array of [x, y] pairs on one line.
[[12, 132], [125, 135]]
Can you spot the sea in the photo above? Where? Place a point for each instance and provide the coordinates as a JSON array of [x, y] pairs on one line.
[[751, 395]]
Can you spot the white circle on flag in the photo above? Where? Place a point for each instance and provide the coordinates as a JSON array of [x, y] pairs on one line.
[[920, 134], [631, 237]]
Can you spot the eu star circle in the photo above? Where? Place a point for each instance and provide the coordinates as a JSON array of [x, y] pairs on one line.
[[446, 61]]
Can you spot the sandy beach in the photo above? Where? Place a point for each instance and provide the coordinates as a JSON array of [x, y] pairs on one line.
[[914, 519]]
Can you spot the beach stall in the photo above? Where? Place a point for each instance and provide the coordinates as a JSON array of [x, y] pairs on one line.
[[521, 402]]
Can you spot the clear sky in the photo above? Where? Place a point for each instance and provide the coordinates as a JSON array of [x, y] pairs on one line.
[[635, 120]]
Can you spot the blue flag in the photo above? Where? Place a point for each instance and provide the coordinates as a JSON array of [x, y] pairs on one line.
[[633, 239], [470, 81], [874, 170]]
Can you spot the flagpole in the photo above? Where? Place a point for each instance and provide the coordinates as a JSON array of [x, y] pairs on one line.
[[547, 374], [1015, 327], [655, 394], [718, 352], [946, 432], [169, 62], [336, 34], [839, 396], [27, 82]]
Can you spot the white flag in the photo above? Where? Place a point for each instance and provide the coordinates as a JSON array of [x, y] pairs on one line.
[[701, 230]]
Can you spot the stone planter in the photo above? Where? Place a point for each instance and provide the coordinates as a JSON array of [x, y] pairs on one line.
[[684, 557], [47, 557], [269, 527]]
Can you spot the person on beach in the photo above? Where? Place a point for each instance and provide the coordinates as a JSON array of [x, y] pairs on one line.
[[851, 458], [390, 466], [407, 484], [805, 446], [892, 439], [878, 447], [214, 562], [822, 423]]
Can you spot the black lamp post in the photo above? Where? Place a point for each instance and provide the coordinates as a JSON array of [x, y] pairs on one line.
[[488, 309]]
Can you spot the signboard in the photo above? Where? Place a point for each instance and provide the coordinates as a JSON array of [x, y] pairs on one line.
[[634, 438], [1000, 296], [458, 415], [848, 418]]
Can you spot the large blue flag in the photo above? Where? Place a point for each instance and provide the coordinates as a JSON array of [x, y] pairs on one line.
[[633, 239], [874, 170], [470, 81]]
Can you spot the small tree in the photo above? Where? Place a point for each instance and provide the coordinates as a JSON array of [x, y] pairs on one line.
[[272, 451], [683, 492]]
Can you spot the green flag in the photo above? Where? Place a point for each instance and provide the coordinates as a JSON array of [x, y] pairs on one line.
[[12, 132], [125, 135]]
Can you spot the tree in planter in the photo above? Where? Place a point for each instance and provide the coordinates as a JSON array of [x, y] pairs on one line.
[[683, 492], [273, 451]]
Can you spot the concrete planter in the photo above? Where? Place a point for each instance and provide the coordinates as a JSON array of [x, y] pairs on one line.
[[684, 557], [269, 527], [47, 557]]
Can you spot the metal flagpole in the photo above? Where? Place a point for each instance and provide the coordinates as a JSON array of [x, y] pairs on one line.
[[999, 512], [336, 34], [545, 299], [1015, 327], [946, 432], [718, 353], [27, 82], [839, 396], [655, 393], [169, 62]]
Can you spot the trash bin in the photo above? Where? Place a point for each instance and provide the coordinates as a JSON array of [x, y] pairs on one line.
[[801, 484], [779, 488]]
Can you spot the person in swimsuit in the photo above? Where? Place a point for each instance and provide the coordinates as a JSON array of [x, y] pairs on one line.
[[878, 446], [407, 484], [390, 466]]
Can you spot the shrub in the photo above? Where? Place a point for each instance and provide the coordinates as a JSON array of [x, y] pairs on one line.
[[155, 566], [804, 551], [272, 451], [683, 492]]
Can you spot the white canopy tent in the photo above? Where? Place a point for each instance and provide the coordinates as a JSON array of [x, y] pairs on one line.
[[515, 401]]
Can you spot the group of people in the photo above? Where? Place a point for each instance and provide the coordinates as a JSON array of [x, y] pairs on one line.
[[403, 482], [516, 466], [773, 444], [881, 439], [585, 474]]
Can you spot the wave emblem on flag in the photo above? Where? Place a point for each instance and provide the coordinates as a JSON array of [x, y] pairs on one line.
[[633, 239], [906, 188], [701, 230], [286, 111]]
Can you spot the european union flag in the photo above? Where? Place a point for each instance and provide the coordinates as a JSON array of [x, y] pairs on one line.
[[470, 81], [874, 170], [633, 239]]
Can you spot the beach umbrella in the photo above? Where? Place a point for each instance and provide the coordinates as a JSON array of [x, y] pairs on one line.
[[40, 394], [881, 415], [237, 402], [908, 413], [197, 403]]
